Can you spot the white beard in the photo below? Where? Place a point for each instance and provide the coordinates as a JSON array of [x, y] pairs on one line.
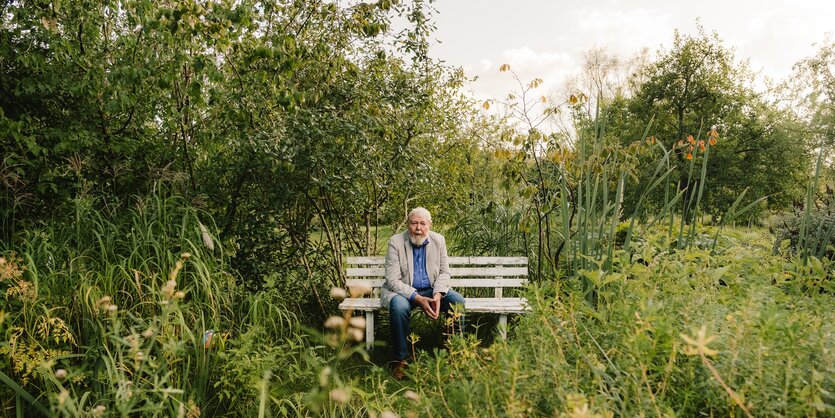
[[417, 240]]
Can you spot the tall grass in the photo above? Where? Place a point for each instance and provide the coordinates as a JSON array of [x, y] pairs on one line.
[[109, 314], [628, 355]]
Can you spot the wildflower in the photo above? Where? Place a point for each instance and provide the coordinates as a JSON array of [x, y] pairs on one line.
[[581, 412], [177, 267], [689, 156], [168, 289], [412, 396], [338, 293], [690, 139], [61, 374], [357, 322], [355, 334], [62, 397], [698, 346], [193, 410], [334, 322], [712, 141], [331, 340], [359, 291], [324, 375], [702, 145], [206, 237], [339, 395]]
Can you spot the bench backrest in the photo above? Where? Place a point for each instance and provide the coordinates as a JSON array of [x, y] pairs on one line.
[[495, 272]]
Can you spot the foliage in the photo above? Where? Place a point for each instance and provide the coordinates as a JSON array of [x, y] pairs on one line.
[[629, 355], [285, 119], [181, 180], [698, 86]]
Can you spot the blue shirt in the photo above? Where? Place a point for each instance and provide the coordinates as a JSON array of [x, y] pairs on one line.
[[421, 276]]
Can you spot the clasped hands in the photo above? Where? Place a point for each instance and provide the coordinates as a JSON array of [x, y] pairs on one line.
[[431, 306]]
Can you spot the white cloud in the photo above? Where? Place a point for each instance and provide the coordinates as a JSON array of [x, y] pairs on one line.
[[623, 30], [485, 65], [547, 39], [527, 58]]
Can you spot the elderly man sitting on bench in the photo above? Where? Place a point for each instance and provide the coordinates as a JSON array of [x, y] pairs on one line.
[[417, 275]]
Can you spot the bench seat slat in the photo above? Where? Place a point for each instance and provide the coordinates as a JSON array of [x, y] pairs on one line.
[[375, 283], [476, 261], [454, 271], [493, 305]]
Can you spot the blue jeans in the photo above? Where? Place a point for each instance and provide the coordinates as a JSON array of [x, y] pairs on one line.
[[399, 311]]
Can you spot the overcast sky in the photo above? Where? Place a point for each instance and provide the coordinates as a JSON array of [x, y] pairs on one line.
[[547, 39]]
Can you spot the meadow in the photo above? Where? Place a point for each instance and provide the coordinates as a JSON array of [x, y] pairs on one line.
[[108, 317], [181, 183]]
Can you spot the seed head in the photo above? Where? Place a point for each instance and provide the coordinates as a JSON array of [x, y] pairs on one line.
[[359, 291], [339, 395], [357, 322], [412, 396], [338, 293], [355, 334], [334, 322]]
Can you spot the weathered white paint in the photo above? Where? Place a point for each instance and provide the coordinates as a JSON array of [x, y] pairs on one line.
[[504, 272]]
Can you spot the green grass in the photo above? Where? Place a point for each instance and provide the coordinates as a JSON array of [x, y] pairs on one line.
[[92, 323]]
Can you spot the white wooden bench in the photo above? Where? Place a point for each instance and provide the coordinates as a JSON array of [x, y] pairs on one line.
[[484, 272]]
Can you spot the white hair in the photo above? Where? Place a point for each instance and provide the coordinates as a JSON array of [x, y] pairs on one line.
[[420, 211]]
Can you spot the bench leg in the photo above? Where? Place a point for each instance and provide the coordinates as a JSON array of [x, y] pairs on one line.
[[369, 330], [503, 326]]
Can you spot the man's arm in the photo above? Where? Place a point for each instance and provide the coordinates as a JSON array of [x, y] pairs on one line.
[[394, 278], [395, 283], [442, 282]]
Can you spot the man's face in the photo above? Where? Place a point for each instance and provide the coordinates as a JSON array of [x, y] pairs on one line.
[[419, 228]]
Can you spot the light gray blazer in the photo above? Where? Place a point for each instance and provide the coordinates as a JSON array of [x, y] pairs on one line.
[[400, 266]]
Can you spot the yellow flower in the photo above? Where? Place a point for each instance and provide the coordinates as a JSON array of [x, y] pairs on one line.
[[698, 346]]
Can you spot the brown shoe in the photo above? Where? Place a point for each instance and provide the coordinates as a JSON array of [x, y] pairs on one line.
[[399, 371]]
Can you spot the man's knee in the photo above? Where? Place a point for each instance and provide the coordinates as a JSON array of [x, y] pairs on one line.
[[454, 298], [399, 305]]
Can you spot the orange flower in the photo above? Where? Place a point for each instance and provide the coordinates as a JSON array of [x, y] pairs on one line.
[[702, 146], [690, 139], [712, 141], [689, 156]]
